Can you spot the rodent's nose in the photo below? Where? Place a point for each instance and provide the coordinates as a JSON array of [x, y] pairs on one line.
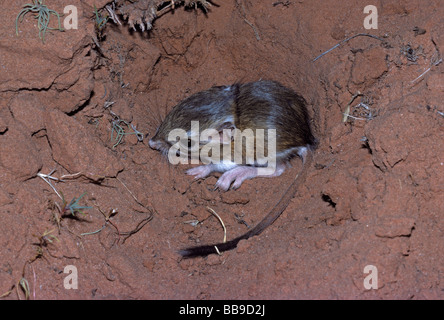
[[153, 144]]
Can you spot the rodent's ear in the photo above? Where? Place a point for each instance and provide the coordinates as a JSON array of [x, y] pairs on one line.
[[226, 132]]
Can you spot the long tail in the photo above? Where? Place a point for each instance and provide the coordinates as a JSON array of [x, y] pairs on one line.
[[261, 226]]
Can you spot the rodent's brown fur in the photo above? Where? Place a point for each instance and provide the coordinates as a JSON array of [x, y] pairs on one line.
[[277, 108]]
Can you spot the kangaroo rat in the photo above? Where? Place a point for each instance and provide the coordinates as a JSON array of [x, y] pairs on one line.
[[256, 105]]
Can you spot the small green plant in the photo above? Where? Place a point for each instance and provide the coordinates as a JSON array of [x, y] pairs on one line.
[[100, 23], [72, 207], [46, 238], [43, 16], [43, 241], [120, 131], [100, 20]]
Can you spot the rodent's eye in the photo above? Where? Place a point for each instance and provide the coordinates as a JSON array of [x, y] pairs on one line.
[[189, 143]]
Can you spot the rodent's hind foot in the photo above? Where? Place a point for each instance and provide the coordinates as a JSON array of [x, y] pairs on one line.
[[204, 171], [235, 177]]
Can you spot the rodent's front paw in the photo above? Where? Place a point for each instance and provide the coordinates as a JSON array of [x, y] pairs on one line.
[[199, 172]]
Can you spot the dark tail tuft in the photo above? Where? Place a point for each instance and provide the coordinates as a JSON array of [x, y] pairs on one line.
[[209, 249]]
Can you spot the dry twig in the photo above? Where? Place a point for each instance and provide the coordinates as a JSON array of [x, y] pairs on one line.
[[345, 40]]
